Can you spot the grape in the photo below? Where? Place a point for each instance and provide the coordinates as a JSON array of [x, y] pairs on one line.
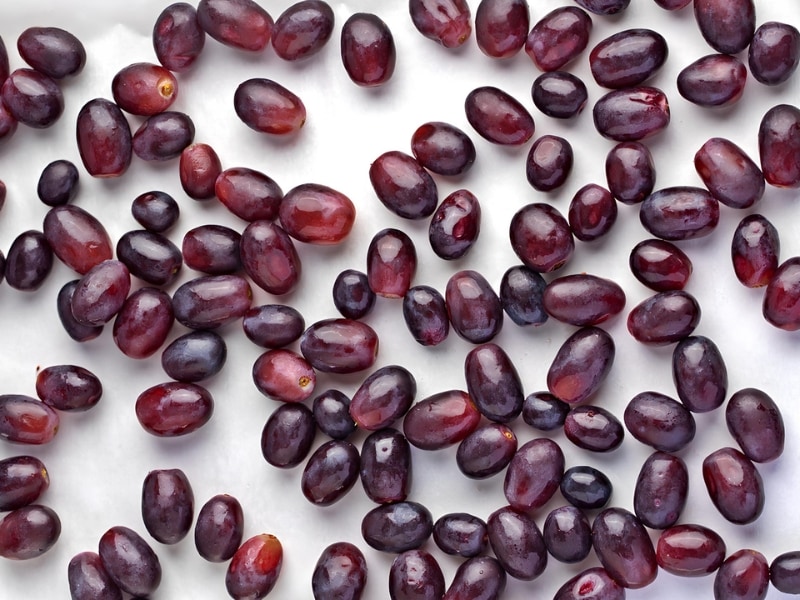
[[150, 256], [583, 299], [593, 428], [255, 567], [755, 422], [581, 365], [77, 238], [628, 58], [593, 583], [88, 579], [778, 145], [559, 94], [156, 211], [240, 24], [543, 411], [533, 474], [268, 107], [624, 548], [493, 383], [383, 397], [699, 373], [630, 172], [211, 301], [781, 306], [385, 468], [631, 114], [167, 505], [690, 550], [567, 534], [585, 487], [549, 163], [728, 26], [32, 98], [664, 318], [473, 306], [51, 50], [330, 472], [604, 7], [340, 573], [541, 237], [713, 80], [461, 534], [477, 578], [331, 411], [212, 249], [75, 329], [105, 142], [403, 185], [784, 572], [143, 323], [415, 575], [662, 488], [659, 421], [68, 387], [743, 575], [28, 532], [101, 292], [144, 89], [287, 435], [352, 296], [173, 409], [163, 136], [58, 183], [273, 325], [521, 291], [367, 49], [23, 479], [178, 39], [501, 27], [29, 261], [486, 451], [755, 251], [734, 485], [517, 543], [397, 527], [391, 263], [249, 194], [455, 225], [425, 314], [774, 52], [444, 21], [592, 212], [660, 265], [194, 356], [316, 214], [199, 168], [558, 37], [441, 420], [680, 213], [284, 375], [219, 528], [269, 257], [498, 117], [339, 345], [129, 561], [443, 148], [302, 30]]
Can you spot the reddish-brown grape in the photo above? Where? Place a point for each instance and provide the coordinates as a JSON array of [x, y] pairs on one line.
[[593, 428], [498, 117], [254, 568], [774, 52], [592, 212], [558, 37], [690, 550], [317, 214], [302, 30], [630, 172], [533, 475], [68, 387], [501, 27], [664, 318], [383, 397], [89, 580], [240, 24], [129, 561], [559, 94], [339, 345], [211, 301], [269, 257], [284, 375], [541, 237], [624, 548], [755, 251], [446, 22], [734, 485], [144, 89], [455, 225], [713, 80], [493, 383], [443, 148], [680, 213], [567, 534], [101, 292], [699, 374], [779, 144], [163, 136], [178, 39], [23, 479], [517, 543], [593, 583], [199, 168], [628, 58], [755, 422], [549, 163], [397, 527], [659, 421], [461, 534], [391, 263], [660, 265], [77, 237], [631, 114], [477, 578], [415, 575], [583, 299], [581, 365], [441, 420], [268, 107], [330, 472], [212, 249], [368, 50], [486, 451], [340, 572], [473, 307], [173, 409], [425, 314], [28, 532], [105, 142], [403, 185], [744, 575]]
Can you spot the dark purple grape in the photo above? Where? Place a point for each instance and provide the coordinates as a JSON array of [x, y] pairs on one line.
[[397, 527], [101, 292], [68, 387], [628, 58], [713, 80], [624, 548], [543, 411], [58, 183], [441, 420], [690, 550], [199, 168], [660, 265], [664, 318], [778, 145], [403, 185], [521, 291], [415, 575], [385, 468], [29, 261], [383, 397], [680, 213], [728, 26], [287, 435], [249, 194], [604, 7], [784, 572], [23, 479], [32, 98], [581, 365], [77, 238], [501, 27], [755, 422], [25, 420], [729, 174], [266, 106], [734, 485], [661, 491], [219, 528], [163, 136], [273, 325], [549, 163], [493, 383], [567, 534], [240, 24], [461, 534], [167, 505], [340, 572], [442, 148], [558, 37], [592, 212], [473, 307], [533, 475], [284, 375], [316, 214], [129, 561], [302, 30], [699, 373], [339, 345], [673, 4], [455, 225], [178, 39], [659, 421], [586, 487], [211, 301], [53, 51], [593, 583], [331, 411], [517, 543], [330, 472], [352, 296], [391, 263], [151, 257], [144, 89], [28, 532], [755, 251], [444, 21], [498, 117], [174, 408], [88, 579], [255, 567], [486, 451], [631, 114], [194, 356], [368, 50], [744, 575], [559, 94], [630, 172], [583, 299], [541, 237], [212, 249], [593, 428], [425, 314], [781, 306], [477, 578], [105, 142], [75, 329], [774, 52]]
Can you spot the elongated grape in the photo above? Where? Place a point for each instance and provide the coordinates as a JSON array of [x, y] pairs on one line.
[[317, 214], [173, 409], [778, 145], [331, 471], [517, 543], [130, 561], [774, 52], [558, 37], [624, 548], [567, 534], [446, 22], [194, 356], [340, 572], [501, 27], [498, 117], [690, 550], [455, 225], [661, 491], [391, 263], [583, 299], [32, 98], [628, 58], [743, 575], [287, 435], [178, 39], [302, 30], [28, 532], [385, 469], [415, 575], [397, 527], [660, 265], [533, 474], [734, 485], [403, 185], [53, 51], [211, 301], [268, 107], [441, 420], [728, 27], [254, 568], [631, 114], [383, 397], [150, 256], [473, 306], [29, 261], [105, 142], [493, 383], [486, 451], [340, 345], [219, 528], [659, 421], [89, 580], [581, 365], [212, 249], [755, 422], [77, 237], [755, 251], [240, 24], [23, 479], [368, 50], [167, 505], [461, 534], [284, 375]]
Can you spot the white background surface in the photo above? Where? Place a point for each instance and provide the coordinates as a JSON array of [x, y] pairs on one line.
[[99, 459]]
